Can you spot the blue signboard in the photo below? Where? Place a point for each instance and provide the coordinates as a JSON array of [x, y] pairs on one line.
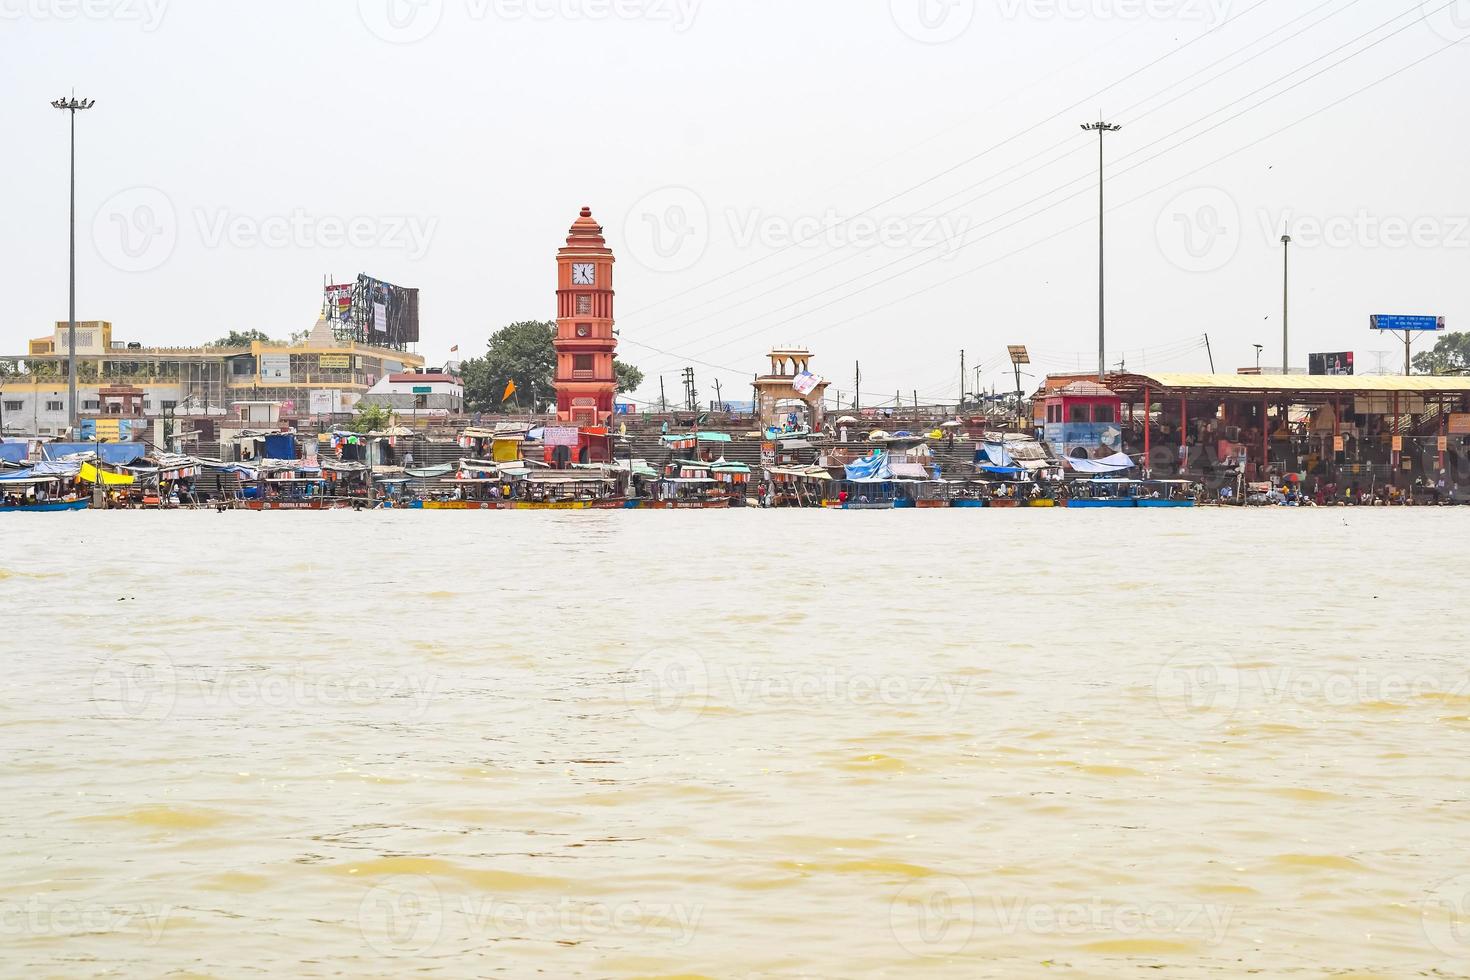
[[1394, 321]]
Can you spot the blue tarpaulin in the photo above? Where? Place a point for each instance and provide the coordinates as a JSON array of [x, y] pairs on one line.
[[874, 467], [15, 475], [120, 453], [14, 452], [993, 454], [280, 447]]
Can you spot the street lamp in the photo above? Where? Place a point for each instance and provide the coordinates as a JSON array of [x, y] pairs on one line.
[[1101, 128], [72, 105], [1258, 348], [1285, 269]]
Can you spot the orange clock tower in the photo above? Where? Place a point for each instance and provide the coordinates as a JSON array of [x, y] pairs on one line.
[[585, 345]]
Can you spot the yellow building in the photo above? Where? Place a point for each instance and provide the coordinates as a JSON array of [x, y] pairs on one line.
[[319, 376]]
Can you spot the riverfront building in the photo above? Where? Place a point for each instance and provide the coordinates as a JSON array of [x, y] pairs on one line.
[[319, 376]]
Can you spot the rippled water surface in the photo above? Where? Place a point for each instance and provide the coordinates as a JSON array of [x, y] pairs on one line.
[[948, 743]]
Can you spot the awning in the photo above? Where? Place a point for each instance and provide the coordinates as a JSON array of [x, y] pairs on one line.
[[909, 471], [89, 474], [1115, 463], [430, 472], [789, 445], [30, 481], [675, 438], [108, 452]]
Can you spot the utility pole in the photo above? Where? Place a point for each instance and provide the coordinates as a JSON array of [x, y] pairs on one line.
[[691, 395], [73, 105], [719, 399], [663, 403], [1101, 128], [962, 379], [857, 386], [1285, 269], [1210, 353]]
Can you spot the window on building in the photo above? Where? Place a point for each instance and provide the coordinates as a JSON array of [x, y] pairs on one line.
[[582, 362], [1102, 413], [1077, 414], [167, 405], [584, 304], [91, 405], [420, 401], [55, 406], [14, 406]]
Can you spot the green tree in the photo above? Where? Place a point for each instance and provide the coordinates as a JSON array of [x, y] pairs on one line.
[[629, 377], [523, 352], [1450, 355], [371, 418], [242, 338]]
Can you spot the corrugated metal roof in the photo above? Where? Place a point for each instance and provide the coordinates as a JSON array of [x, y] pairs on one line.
[[1367, 384]]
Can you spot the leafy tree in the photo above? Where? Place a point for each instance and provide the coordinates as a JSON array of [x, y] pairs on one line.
[[523, 352], [629, 377], [371, 418], [1450, 355], [242, 338]]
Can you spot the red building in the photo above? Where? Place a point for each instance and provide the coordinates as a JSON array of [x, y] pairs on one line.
[[585, 345], [1083, 420]]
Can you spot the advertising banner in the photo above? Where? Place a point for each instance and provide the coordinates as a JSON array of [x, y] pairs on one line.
[[1398, 321], [560, 435], [334, 360], [339, 301], [1340, 363], [324, 401], [275, 367], [805, 383]]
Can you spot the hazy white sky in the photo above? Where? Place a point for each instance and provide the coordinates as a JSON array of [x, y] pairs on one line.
[[883, 180]]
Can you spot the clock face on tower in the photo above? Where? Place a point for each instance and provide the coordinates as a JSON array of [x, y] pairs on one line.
[[584, 274]]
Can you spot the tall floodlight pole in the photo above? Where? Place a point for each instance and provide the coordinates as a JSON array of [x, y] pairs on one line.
[[1101, 128], [1285, 278], [72, 105]]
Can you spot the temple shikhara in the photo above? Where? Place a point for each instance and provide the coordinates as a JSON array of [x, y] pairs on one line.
[[585, 346]]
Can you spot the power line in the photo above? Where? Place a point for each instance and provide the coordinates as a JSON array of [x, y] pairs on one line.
[[1133, 200], [1117, 174], [1084, 177], [968, 160], [1029, 173]]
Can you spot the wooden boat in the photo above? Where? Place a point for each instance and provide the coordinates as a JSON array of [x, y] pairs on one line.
[[312, 503], [1171, 493], [1003, 502], [46, 507], [1041, 502], [967, 502], [718, 503], [1095, 502]]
